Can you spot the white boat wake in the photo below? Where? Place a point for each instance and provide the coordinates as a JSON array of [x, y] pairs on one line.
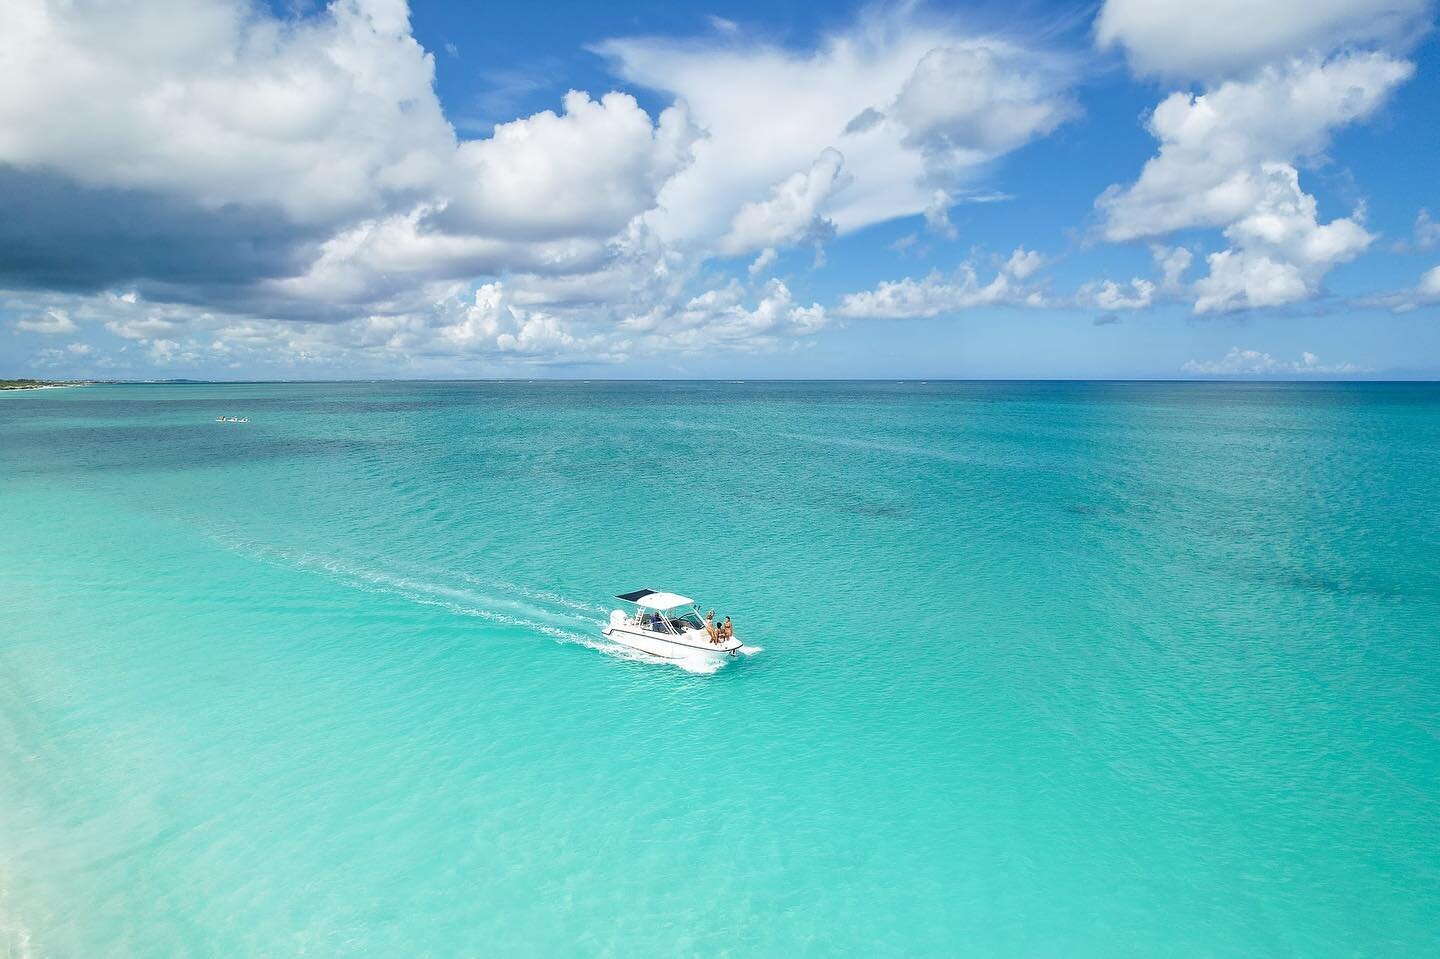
[[550, 614]]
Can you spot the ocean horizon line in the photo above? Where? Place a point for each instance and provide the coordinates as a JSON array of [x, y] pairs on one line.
[[1231, 380]]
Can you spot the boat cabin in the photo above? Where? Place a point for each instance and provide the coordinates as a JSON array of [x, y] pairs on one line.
[[662, 612]]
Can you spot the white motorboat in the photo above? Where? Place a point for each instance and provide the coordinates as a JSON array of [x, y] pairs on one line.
[[666, 625]]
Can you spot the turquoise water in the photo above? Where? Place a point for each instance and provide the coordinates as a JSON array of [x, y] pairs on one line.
[[1048, 669]]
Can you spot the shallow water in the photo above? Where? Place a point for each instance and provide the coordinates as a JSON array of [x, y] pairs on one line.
[[1080, 669]]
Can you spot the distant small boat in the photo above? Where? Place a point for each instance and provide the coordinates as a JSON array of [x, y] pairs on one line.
[[232, 419]]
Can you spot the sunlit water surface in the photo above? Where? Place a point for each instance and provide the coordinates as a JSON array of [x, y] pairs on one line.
[[1048, 669]]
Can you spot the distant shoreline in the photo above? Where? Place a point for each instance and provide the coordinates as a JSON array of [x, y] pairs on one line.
[[16, 386], [26, 384]]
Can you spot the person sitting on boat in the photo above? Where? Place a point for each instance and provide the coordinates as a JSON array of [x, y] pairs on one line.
[[710, 628], [727, 631]]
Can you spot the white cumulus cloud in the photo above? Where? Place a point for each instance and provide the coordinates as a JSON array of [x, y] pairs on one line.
[[763, 262], [1238, 362], [1425, 235], [937, 215], [52, 322], [1226, 159], [1182, 38], [1173, 263], [1213, 147], [937, 293], [791, 213], [1426, 292], [912, 106], [1430, 282], [1109, 295], [1279, 250], [321, 118], [308, 195], [536, 178], [721, 318], [493, 322], [1023, 263], [967, 103]]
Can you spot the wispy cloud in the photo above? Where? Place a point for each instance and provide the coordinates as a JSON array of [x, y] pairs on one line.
[[1240, 363]]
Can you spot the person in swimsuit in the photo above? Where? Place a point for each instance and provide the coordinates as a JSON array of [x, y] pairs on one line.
[[727, 631], [710, 628]]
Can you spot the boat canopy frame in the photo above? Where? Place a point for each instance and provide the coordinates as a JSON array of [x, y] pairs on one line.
[[656, 599]]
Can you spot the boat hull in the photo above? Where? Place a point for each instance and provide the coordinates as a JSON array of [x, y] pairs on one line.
[[687, 645]]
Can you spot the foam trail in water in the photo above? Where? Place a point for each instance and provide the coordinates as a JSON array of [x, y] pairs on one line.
[[470, 602], [698, 665], [542, 595]]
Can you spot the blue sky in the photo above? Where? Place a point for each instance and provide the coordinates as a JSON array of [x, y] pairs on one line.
[[1138, 188]]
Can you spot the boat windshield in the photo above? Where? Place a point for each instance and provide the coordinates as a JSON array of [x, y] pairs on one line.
[[690, 620]]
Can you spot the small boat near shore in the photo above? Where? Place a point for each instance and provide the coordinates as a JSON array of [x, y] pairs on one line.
[[667, 625]]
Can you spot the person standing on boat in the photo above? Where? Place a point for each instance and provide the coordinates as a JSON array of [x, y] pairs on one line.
[[710, 629], [726, 630]]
